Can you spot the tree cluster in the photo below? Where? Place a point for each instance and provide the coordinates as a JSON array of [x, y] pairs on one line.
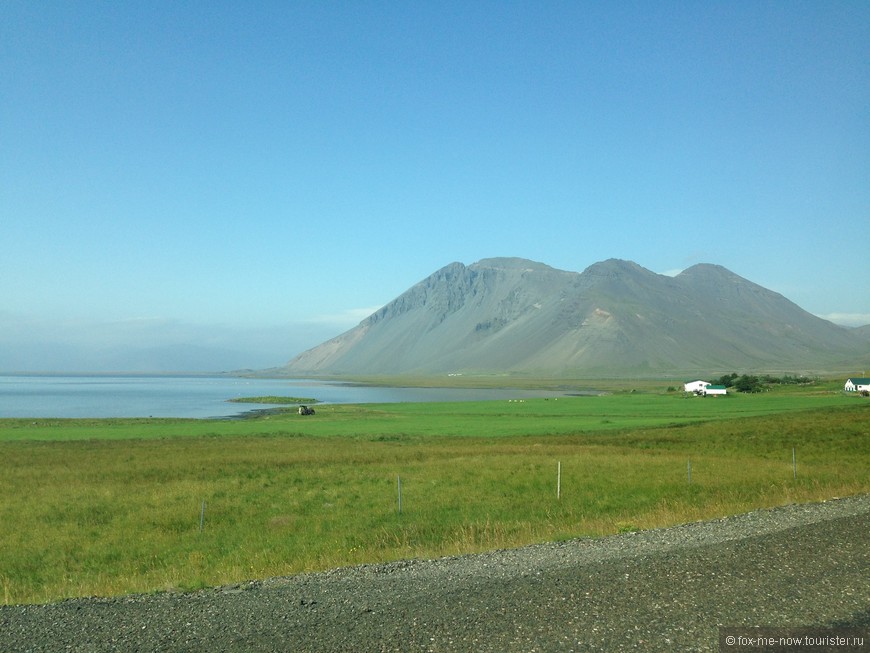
[[753, 383]]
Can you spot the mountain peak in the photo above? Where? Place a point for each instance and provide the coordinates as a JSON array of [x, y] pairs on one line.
[[616, 317], [707, 270], [616, 267]]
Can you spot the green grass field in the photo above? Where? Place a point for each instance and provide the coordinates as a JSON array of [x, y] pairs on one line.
[[104, 507]]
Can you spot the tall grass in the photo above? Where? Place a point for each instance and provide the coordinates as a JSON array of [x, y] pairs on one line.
[[109, 515]]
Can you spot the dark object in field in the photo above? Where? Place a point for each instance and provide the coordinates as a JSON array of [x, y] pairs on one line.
[[305, 410]]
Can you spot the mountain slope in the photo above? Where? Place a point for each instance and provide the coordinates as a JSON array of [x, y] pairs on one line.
[[514, 315]]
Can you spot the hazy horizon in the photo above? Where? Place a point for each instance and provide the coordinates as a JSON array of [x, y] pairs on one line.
[[177, 347]]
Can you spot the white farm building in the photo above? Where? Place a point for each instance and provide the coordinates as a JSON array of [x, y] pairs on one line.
[[695, 386], [704, 388], [857, 385]]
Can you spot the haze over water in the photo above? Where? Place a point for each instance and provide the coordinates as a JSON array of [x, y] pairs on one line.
[[199, 396]]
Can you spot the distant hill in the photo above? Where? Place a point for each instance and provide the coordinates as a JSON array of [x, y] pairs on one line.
[[510, 315]]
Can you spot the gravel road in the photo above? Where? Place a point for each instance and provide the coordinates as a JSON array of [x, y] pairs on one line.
[[661, 590]]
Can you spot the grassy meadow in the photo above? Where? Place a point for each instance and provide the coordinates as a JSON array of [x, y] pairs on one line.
[[105, 507]]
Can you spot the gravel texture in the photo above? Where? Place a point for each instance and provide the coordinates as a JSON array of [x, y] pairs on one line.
[[660, 590]]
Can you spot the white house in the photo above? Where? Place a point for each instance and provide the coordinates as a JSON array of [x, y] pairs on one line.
[[857, 385], [714, 390], [695, 386]]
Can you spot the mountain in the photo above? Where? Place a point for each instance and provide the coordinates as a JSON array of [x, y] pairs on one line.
[[510, 315]]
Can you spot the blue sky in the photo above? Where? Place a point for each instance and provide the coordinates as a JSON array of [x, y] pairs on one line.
[[209, 185]]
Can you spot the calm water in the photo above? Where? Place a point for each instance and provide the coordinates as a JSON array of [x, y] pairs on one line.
[[197, 396]]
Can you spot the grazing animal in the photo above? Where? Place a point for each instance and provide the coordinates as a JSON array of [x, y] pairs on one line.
[[305, 410]]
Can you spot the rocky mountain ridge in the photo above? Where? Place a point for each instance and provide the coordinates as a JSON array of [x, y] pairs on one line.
[[511, 315]]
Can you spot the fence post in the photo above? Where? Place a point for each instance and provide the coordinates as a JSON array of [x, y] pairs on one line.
[[202, 517], [689, 465], [559, 480], [399, 487], [793, 463]]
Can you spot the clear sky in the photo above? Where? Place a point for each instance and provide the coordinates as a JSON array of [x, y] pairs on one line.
[[216, 185]]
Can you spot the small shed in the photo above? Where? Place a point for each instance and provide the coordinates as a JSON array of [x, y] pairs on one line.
[[857, 385], [715, 390]]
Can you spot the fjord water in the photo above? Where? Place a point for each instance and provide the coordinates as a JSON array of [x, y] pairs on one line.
[[199, 396]]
